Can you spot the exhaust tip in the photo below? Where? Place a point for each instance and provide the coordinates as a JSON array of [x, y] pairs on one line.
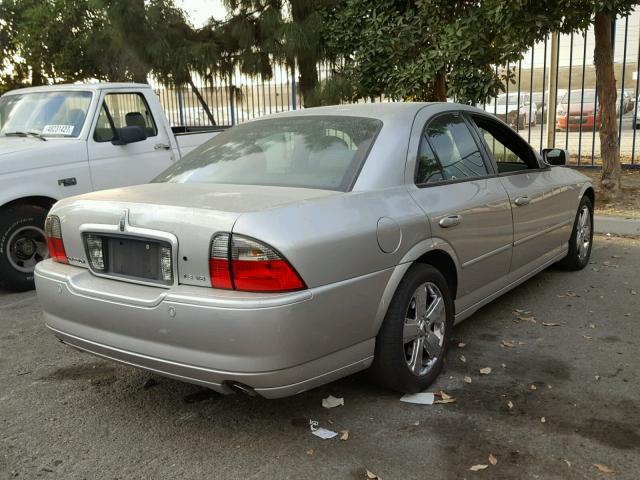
[[242, 388]]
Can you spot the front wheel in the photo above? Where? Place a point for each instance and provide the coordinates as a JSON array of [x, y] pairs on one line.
[[22, 245], [581, 239], [414, 337]]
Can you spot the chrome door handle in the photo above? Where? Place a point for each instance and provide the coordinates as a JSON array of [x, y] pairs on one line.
[[161, 146], [450, 221], [521, 201]]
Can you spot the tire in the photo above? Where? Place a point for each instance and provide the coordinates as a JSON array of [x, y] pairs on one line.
[[578, 256], [22, 245], [393, 355]]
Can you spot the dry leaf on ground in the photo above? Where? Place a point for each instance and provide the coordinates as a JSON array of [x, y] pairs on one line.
[[543, 420], [510, 404], [527, 318], [372, 476], [467, 379], [344, 435], [476, 468], [332, 402], [550, 324], [508, 344], [492, 459], [310, 451], [463, 359], [485, 370], [603, 468], [462, 345]]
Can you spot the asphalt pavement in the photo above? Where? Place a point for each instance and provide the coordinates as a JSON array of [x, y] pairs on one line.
[[561, 400]]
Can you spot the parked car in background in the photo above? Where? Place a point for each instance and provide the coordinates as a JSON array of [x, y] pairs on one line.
[[63, 140], [291, 251], [513, 109], [541, 101], [578, 108], [624, 102]]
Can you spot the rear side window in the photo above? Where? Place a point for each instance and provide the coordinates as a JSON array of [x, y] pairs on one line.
[[324, 152], [123, 110], [449, 144]]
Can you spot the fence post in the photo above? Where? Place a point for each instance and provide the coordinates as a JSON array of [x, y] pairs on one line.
[[232, 95], [293, 86], [180, 110], [553, 91]]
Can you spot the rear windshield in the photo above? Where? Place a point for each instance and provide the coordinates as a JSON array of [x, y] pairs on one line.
[[324, 152]]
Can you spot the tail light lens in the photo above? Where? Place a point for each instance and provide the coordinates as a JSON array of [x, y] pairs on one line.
[[242, 263], [53, 232], [95, 252]]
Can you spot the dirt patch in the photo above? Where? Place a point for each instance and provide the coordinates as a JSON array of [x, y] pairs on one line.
[[629, 205]]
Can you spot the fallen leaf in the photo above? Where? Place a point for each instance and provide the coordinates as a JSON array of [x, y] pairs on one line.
[[310, 451], [633, 292], [476, 468], [467, 379], [569, 293], [508, 344], [372, 476], [463, 359], [603, 468], [504, 365], [443, 395], [527, 318], [462, 345], [492, 459], [543, 420], [533, 387], [597, 377], [567, 462], [587, 337], [510, 404], [485, 370], [591, 325], [344, 435], [446, 400], [549, 324]]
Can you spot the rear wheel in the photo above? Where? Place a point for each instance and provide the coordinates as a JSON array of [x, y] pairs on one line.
[[581, 239], [22, 245], [414, 337]]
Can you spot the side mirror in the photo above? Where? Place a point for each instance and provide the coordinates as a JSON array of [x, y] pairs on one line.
[[126, 135], [555, 156]]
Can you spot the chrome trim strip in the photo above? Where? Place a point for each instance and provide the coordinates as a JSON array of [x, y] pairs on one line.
[[486, 255], [541, 232]]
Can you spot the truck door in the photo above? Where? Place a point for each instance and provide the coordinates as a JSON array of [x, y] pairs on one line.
[[114, 165]]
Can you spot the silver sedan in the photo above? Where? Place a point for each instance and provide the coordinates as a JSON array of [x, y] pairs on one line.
[[294, 250]]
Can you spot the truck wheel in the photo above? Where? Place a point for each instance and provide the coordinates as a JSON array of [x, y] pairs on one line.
[[22, 245]]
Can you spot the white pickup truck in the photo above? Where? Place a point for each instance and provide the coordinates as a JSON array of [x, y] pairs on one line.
[[64, 140]]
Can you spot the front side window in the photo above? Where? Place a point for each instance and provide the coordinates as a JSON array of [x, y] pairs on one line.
[[50, 114], [455, 148], [324, 152], [123, 110]]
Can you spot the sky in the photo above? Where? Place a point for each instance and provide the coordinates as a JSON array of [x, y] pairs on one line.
[[201, 10]]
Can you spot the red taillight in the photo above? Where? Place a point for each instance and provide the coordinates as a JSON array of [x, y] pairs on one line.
[[219, 262], [254, 267], [53, 232]]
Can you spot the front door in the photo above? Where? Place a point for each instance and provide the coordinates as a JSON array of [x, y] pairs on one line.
[[539, 217], [134, 163], [467, 205]]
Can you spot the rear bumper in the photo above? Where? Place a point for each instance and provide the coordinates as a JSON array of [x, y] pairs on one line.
[[277, 344]]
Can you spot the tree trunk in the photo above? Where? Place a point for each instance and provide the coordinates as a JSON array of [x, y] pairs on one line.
[[308, 81], [440, 86], [201, 99], [610, 186], [37, 78]]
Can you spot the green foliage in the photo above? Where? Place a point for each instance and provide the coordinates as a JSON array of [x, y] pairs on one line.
[[402, 49]]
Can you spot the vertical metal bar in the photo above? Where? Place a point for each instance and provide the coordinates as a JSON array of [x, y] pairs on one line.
[[180, 112], [264, 98], [519, 79], [232, 93], [566, 140], [584, 63], [624, 71], [506, 107], [288, 92], [593, 134], [495, 101], [635, 119], [544, 86], [293, 86], [555, 96], [270, 101], [531, 95]]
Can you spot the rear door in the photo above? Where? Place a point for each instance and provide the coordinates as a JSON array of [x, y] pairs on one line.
[[539, 204], [467, 206], [132, 164]]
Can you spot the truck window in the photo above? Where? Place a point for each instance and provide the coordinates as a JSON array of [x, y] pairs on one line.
[[123, 110]]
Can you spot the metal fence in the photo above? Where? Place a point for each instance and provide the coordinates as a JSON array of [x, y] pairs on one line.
[[562, 66]]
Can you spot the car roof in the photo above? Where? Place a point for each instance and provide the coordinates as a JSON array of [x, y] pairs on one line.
[[90, 87]]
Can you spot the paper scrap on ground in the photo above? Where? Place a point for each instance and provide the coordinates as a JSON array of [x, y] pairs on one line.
[[485, 371], [423, 398], [477, 468], [331, 402], [324, 433]]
